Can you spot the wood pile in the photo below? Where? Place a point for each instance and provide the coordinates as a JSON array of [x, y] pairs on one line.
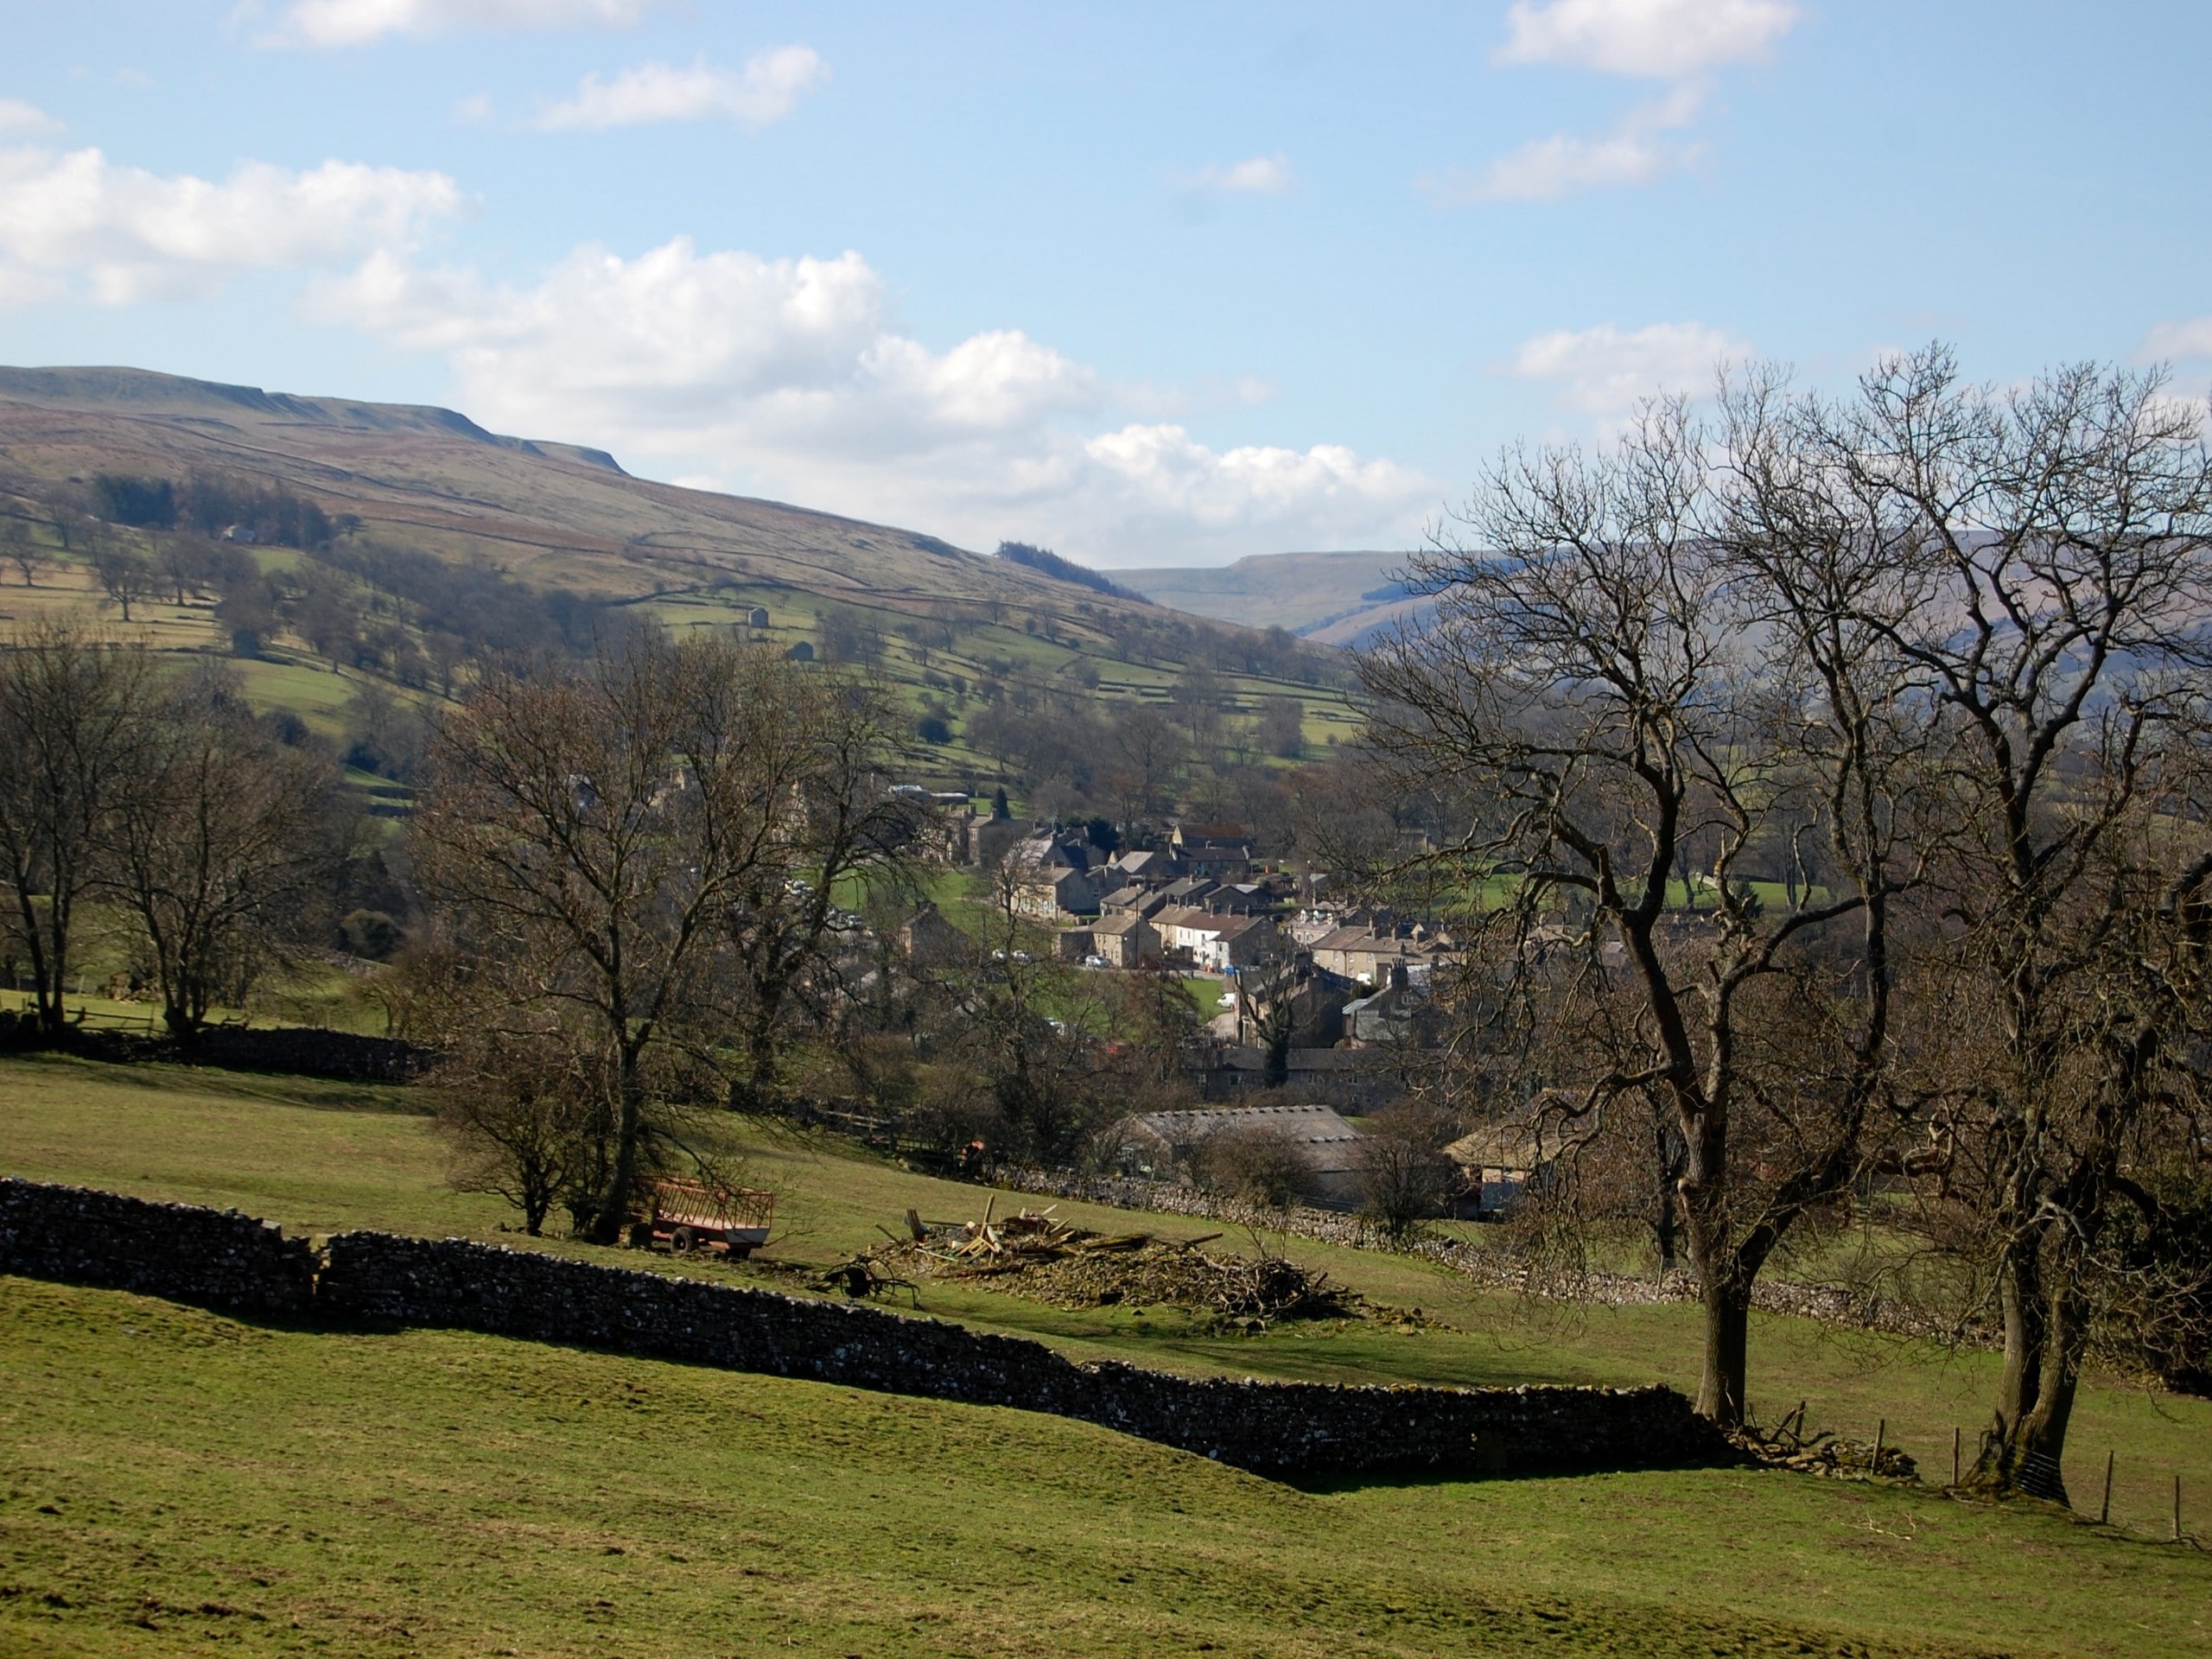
[[1037, 1256], [1790, 1444]]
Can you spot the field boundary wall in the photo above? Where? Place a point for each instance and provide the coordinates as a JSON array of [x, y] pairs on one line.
[[234, 1262]]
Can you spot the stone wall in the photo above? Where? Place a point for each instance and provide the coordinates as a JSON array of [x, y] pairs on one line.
[[306, 1051], [229, 1261], [217, 1258], [1275, 1428]]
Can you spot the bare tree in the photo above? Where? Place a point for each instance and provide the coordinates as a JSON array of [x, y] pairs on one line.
[[584, 834], [216, 843], [2060, 551], [1629, 661], [524, 1114], [1282, 728], [21, 551], [1404, 1176], [123, 574], [1256, 1164], [73, 708], [827, 833]]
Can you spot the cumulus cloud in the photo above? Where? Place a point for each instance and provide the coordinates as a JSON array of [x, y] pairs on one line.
[[1260, 175], [78, 223], [1605, 371], [18, 116], [358, 22], [789, 377], [1682, 40], [766, 90], [2185, 337], [1666, 39], [1636, 151]]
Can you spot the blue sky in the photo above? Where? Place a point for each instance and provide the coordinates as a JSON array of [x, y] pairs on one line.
[[1148, 285]]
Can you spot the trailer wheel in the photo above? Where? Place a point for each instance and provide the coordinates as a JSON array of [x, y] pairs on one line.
[[641, 1236], [683, 1240]]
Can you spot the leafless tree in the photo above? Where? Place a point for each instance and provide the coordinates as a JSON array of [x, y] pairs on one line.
[[124, 574], [1634, 654], [523, 1114], [1404, 1176], [73, 715], [1281, 727], [21, 551], [1255, 1163], [584, 834], [2059, 555], [828, 834], [216, 843]]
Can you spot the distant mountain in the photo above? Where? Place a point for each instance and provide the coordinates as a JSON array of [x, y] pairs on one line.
[[1337, 598]]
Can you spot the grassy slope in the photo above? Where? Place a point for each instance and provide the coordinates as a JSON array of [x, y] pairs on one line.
[[326, 1155], [174, 1479]]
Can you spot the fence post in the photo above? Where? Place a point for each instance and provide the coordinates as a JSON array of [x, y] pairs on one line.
[[2104, 1509], [1881, 1433], [1954, 1455], [2176, 1508]]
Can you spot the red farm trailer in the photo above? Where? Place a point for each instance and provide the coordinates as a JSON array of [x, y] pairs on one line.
[[687, 1216]]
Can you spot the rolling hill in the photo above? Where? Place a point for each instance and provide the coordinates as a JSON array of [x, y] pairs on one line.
[[413, 483], [1336, 598]]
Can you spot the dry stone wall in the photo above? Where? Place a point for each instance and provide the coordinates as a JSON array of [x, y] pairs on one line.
[[1284, 1429], [304, 1050], [216, 1258]]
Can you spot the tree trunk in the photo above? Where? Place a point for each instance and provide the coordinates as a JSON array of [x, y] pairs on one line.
[[2044, 1337], [614, 1208], [1727, 1339], [50, 993]]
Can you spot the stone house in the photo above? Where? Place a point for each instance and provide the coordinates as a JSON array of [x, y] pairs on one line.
[[1367, 956], [1222, 851], [1149, 868], [929, 941], [1209, 940]]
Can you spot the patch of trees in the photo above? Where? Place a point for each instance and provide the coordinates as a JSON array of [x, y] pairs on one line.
[[363, 602], [164, 800], [207, 504], [1045, 561], [1932, 661], [637, 870]]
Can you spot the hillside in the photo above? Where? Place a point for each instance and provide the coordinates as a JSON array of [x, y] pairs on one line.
[[175, 1478], [1337, 598], [403, 483]]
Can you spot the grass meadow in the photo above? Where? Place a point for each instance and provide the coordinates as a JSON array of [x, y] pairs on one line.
[[174, 1480]]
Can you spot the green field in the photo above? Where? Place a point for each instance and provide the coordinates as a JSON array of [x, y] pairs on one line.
[[435, 1492]]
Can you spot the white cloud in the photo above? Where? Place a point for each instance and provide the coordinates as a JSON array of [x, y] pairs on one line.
[[789, 377], [1603, 370], [1635, 152], [2187, 337], [1545, 170], [767, 89], [358, 22], [15, 116], [1666, 39], [1260, 175], [79, 223]]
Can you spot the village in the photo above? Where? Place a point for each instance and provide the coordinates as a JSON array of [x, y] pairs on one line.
[[1314, 1013]]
